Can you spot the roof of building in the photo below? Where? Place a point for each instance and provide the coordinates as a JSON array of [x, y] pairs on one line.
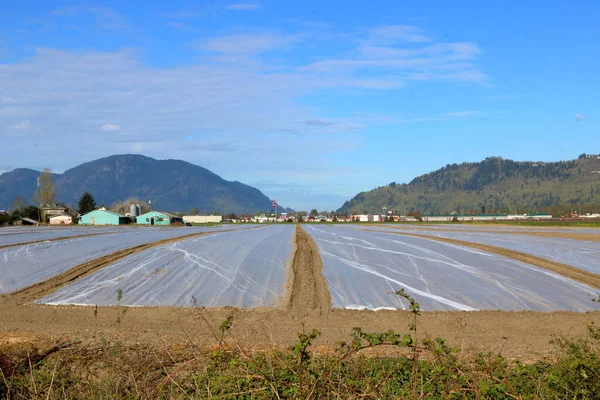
[[107, 211], [60, 216], [31, 221], [53, 206], [161, 213]]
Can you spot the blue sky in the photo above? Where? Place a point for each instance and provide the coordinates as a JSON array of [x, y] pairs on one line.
[[310, 101]]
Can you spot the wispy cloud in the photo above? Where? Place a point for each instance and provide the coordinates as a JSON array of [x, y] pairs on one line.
[[335, 126], [110, 127], [179, 26], [578, 117], [104, 17], [20, 126], [243, 6], [389, 34], [461, 114], [184, 14], [432, 62], [503, 97], [247, 43]]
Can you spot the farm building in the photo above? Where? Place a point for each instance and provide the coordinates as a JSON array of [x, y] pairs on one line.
[[51, 210], [61, 220], [158, 218], [202, 219], [103, 217]]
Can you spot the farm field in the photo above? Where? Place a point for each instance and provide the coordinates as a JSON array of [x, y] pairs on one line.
[[362, 267], [244, 268], [583, 254], [23, 265], [276, 280]]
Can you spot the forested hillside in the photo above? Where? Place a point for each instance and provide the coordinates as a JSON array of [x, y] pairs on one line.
[[494, 184], [171, 185]]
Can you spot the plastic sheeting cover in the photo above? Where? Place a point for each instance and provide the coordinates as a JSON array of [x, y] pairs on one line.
[[577, 253], [21, 266], [241, 269], [362, 267]]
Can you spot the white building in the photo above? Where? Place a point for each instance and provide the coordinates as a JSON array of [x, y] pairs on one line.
[[61, 220], [202, 219]]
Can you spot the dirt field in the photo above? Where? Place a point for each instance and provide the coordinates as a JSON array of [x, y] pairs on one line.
[[523, 335]]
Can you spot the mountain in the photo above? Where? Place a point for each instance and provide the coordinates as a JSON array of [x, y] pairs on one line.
[[494, 184], [172, 185]]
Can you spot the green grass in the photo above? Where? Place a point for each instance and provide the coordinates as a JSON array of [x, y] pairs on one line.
[[413, 368], [114, 371]]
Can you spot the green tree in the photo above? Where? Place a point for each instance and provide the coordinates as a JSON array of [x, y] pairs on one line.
[[314, 212], [45, 194], [31, 212], [86, 204], [194, 211]]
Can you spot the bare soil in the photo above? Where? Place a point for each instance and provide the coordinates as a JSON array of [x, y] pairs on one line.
[[307, 289], [524, 335]]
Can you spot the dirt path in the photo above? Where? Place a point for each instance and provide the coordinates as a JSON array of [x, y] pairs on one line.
[[591, 237], [52, 240], [569, 271], [307, 287]]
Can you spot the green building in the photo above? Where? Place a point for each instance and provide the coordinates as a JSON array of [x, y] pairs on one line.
[[158, 218], [103, 217]]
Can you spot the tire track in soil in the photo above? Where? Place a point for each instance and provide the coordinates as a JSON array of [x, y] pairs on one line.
[[307, 287], [44, 288], [579, 275], [52, 240]]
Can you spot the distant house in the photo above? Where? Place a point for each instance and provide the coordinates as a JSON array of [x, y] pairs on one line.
[[158, 218], [50, 210], [103, 217], [61, 220], [27, 221]]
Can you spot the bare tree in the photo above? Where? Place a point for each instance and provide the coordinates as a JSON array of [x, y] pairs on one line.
[[45, 194], [16, 205]]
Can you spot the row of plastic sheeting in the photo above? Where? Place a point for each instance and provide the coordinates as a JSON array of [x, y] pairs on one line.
[[21, 266], [363, 269], [577, 253], [246, 268], [47, 234]]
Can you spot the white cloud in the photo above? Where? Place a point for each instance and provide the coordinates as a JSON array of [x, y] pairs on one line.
[[110, 127], [461, 114], [327, 125], [433, 62], [578, 117], [104, 17], [232, 92], [502, 97], [179, 26], [243, 6], [247, 43], [20, 126], [394, 33]]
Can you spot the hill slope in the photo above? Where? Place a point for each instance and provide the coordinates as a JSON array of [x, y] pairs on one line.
[[498, 184], [173, 185]]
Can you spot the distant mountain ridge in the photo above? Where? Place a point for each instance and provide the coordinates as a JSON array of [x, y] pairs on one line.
[[172, 185], [494, 184]]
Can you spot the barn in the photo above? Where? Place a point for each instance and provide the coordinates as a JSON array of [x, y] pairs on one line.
[[158, 218], [103, 217]]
